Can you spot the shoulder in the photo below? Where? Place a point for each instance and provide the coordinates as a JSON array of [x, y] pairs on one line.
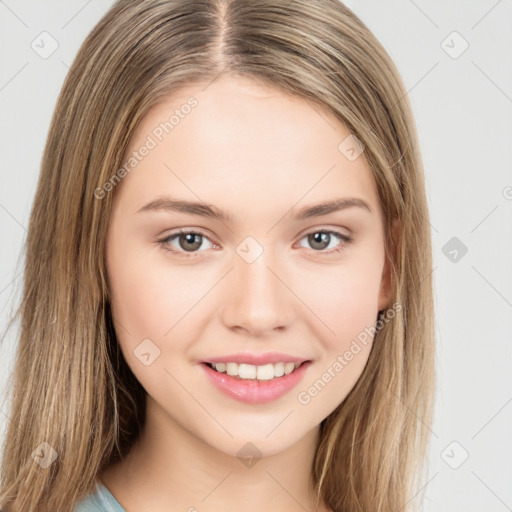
[[100, 498]]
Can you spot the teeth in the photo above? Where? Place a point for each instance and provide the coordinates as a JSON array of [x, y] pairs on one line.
[[265, 372], [231, 368], [247, 371], [288, 368], [278, 369], [250, 371]]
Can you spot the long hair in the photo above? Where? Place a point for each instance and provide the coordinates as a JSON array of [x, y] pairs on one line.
[[76, 407]]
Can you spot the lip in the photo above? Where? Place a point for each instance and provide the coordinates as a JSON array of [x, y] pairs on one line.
[[257, 359], [253, 391]]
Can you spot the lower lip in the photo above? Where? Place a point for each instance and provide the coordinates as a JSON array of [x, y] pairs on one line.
[[255, 391]]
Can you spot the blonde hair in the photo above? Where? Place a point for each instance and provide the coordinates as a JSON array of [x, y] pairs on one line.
[[71, 387]]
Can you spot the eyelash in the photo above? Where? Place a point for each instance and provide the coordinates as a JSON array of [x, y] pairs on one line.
[[165, 241]]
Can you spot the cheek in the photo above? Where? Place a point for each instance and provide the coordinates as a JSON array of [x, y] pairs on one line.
[[347, 305], [153, 300], [147, 305], [147, 299], [135, 302], [345, 299]]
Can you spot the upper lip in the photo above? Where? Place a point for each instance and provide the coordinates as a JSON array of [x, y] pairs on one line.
[[257, 359]]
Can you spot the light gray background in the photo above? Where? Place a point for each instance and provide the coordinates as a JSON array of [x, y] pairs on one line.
[[463, 109]]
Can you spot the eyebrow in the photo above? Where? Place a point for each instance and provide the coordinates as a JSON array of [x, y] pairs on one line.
[[166, 203]]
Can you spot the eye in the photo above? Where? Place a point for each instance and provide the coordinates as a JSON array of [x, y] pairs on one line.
[[188, 242], [322, 239]]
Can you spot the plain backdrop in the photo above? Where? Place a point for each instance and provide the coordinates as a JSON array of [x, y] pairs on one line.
[[455, 59]]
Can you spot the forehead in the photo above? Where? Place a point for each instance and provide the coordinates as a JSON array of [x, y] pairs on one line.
[[238, 144]]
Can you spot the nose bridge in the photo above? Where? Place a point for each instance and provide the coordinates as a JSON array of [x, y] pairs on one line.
[[257, 299]]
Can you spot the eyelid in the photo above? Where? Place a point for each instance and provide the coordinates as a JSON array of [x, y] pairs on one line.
[[344, 240], [183, 231]]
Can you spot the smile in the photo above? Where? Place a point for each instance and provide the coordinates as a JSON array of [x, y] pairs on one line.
[[255, 384], [253, 372]]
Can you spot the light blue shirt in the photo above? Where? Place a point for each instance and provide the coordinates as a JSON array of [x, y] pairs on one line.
[[100, 500]]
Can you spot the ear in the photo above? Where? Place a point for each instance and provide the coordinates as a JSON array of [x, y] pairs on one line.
[[386, 284]]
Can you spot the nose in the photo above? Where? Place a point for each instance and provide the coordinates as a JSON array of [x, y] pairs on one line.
[[257, 299]]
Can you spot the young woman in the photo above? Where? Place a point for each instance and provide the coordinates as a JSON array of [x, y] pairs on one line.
[[227, 297]]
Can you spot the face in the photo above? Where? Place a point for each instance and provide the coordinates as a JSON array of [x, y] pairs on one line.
[[254, 274]]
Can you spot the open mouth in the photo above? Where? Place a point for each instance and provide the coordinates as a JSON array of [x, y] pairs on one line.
[[264, 372], [255, 384]]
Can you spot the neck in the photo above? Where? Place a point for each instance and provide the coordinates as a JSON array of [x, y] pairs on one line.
[[171, 469]]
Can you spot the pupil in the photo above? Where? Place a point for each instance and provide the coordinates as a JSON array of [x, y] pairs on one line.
[[320, 238], [191, 239]]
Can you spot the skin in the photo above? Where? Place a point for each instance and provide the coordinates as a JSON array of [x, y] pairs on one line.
[[260, 155]]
